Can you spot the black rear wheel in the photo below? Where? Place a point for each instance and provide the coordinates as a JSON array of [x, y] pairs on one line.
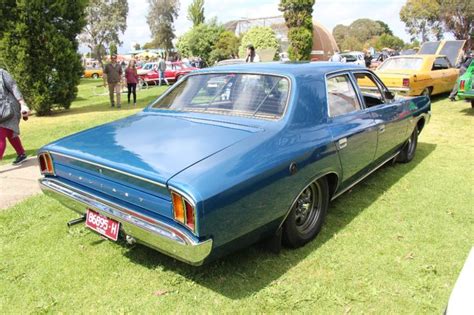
[[307, 214], [408, 152]]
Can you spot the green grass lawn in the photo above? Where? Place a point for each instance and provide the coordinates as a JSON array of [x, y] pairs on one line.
[[394, 244]]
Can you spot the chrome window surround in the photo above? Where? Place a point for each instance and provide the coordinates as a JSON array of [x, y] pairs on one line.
[[287, 104]]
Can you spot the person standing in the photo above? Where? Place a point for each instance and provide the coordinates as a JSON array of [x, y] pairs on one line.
[[367, 59], [131, 76], [161, 70], [336, 57], [112, 77], [12, 108], [251, 54]]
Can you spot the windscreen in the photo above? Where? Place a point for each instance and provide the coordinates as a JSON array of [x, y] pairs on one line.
[[236, 94], [401, 63]]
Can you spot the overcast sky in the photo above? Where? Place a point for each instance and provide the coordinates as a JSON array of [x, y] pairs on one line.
[[328, 12]]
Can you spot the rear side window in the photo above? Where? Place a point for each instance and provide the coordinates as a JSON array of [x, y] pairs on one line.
[[342, 98], [440, 63]]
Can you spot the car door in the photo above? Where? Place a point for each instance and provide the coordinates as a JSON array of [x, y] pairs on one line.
[[353, 130], [440, 75], [389, 115]]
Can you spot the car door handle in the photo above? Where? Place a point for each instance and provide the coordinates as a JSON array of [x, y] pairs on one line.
[[381, 128], [342, 143]]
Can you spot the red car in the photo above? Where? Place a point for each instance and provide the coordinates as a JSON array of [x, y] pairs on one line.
[[174, 70]]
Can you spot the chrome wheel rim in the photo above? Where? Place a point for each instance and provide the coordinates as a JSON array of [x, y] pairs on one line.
[[308, 208]]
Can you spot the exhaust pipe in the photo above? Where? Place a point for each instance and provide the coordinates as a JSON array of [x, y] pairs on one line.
[[76, 221]]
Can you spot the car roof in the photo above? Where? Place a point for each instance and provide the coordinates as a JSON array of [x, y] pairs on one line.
[[285, 68]]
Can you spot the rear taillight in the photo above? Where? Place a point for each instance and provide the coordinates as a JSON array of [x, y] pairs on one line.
[[184, 211], [46, 163], [461, 85], [406, 82]]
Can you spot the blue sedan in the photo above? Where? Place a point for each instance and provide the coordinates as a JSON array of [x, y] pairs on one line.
[[233, 155]]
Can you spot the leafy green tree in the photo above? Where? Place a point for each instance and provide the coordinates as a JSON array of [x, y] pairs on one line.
[[297, 14], [359, 34], [389, 41], [160, 19], [226, 47], [113, 48], [421, 18], [201, 40], [364, 29], [196, 12], [260, 37], [38, 46], [136, 46], [385, 27], [458, 18], [106, 19], [340, 32]]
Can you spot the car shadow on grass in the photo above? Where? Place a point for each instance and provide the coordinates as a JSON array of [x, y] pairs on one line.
[[244, 273]]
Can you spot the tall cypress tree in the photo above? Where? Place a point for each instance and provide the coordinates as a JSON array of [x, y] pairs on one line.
[[38, 46], [298, 18]]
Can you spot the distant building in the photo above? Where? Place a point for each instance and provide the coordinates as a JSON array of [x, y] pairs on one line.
[[324, 44]]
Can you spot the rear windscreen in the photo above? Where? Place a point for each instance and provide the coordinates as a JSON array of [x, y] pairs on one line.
[[236, 94]]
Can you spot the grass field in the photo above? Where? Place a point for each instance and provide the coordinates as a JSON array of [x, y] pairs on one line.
[[394, 244]]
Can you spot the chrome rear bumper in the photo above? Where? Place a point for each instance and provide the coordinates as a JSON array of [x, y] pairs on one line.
[[148, 231]]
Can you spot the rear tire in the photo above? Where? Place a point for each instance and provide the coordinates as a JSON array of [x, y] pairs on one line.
[[472, 103], [307, 214], [408, 152], [95, 76]]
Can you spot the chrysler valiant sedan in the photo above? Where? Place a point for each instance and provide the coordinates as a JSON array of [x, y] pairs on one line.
[[233, 155]]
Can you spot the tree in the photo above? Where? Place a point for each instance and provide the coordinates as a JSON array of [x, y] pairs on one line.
[[340, 32], [385, 27], [160, 19], [113, 48], [361, 33], [201, 40], [196, 12], [364, 29], [260, 37], [297, 14], [136, 46], [38, 45], [106, 19], [226, 47], [458, 18], [421, 18], [389, 41]]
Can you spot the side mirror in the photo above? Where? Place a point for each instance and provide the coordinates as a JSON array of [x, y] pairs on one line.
[[389, 95]]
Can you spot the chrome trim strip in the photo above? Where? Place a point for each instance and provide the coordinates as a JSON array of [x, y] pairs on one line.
[[363, 177], [151, 232], [109, 168]]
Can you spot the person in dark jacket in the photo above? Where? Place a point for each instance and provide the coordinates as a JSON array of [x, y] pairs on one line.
[[10, 95]]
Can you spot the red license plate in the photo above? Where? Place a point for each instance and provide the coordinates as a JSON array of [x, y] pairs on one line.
[[102, 225]]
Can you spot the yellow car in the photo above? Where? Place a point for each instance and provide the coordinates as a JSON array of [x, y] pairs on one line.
[[94, 73], [418, 74]]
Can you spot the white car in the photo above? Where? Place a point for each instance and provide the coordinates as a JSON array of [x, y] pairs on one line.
[[355, 57]]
